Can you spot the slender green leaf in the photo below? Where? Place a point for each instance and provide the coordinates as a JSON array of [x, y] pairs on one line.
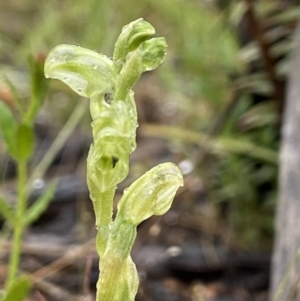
[[40, 205], [19, 290], [39, 87], [8, 126], [6, 211], [38, 81]]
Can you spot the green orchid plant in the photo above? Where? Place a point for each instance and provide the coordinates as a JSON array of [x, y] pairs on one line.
[[108, 83]]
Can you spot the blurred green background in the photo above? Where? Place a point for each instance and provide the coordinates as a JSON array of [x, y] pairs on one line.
[[212, 99]]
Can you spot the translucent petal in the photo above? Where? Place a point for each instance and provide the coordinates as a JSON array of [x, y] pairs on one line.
[[154, 51], [151, 194], [85, 71]]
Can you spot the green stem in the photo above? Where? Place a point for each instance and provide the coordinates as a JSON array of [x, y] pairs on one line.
[[103, 208], [18, 226], [106, 199]]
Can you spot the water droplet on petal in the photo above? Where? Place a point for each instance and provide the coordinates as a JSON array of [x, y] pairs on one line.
[[150, 191]]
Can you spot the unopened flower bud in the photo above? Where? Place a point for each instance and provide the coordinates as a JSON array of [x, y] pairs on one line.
[[131, 37]]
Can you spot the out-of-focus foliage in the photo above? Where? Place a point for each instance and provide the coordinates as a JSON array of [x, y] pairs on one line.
[[214, 79]]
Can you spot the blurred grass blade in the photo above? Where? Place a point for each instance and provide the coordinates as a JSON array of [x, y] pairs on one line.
[[60, 140], [8, 126], [286, 16], [19, 290], [40, 205], [230, 145], [259, 115], [6, 211]]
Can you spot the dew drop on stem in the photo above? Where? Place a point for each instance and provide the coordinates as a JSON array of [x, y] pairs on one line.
[[150, 191]]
